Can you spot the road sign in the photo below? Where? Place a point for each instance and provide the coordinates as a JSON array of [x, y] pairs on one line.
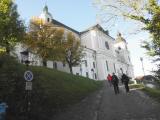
[[28, 75], [28, 86]]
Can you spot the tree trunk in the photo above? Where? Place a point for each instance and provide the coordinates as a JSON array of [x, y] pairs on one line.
[[70, 68], [44, 63], [7, 50]]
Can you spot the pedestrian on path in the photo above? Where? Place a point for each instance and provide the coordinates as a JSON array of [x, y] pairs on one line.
[[115, 82], [109, 78], [3, 107], [125, 81]]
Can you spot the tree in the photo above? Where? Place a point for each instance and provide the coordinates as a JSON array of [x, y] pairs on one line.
[[73, 52], [45, 40], [146, 12], [12, 29]]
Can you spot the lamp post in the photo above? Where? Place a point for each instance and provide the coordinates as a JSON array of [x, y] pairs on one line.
[[141, 59]]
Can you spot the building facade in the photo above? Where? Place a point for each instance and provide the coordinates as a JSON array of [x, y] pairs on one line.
[[103, 54]]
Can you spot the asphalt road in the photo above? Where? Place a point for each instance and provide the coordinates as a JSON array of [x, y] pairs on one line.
[[105, 105]]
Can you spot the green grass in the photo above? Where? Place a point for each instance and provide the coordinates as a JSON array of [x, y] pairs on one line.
[[131, 82], [52, 90], [154, 93], [62, 88], [132, 86]]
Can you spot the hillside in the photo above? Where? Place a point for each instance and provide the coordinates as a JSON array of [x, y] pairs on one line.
[[52, 90]]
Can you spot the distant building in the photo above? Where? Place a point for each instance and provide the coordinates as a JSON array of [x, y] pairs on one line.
[[104, 54]]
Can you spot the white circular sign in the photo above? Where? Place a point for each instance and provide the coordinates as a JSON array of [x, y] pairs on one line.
[[28, 75]]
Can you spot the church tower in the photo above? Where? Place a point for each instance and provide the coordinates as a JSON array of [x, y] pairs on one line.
[[120, 42], [45, 16], [123, 54]]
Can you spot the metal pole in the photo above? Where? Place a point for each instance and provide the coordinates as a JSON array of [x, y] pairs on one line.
[[28, 98], [28, 92], [142, 65]]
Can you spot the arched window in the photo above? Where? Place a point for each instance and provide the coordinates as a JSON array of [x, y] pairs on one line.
[[54, 65], [106, 45], [114, 65], [95, 76], [48, 20], [94, 65], [87, 75], [107, 65], [86, 63], [119, 48]]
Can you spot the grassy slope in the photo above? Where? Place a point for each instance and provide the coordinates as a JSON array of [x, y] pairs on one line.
[[134, 86], [52, 90], [62, 88], [154, 93]]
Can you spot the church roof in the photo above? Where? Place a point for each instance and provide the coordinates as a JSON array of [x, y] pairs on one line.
[[45, 9], [55, 22], [100, 28]]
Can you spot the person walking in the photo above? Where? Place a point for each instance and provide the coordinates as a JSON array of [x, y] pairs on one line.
[[3, 107], [115, 82], [109, 78], [125, 81]]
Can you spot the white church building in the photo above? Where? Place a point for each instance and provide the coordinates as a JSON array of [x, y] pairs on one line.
[[103, 54]]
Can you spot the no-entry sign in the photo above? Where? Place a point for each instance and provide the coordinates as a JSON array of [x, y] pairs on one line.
[[28, 75]]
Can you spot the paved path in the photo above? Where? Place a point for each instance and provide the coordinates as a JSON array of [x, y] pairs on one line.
[[105, 105]]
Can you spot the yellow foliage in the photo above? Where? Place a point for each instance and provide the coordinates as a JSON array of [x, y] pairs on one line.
[[2, 50], [37, 20]]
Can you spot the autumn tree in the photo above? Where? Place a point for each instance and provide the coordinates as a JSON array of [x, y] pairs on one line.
[[73, 51], [146, 12], [45, 40], [12, 29]]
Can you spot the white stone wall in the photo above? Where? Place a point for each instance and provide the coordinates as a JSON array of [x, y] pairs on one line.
[[86, 66], [123, 56]]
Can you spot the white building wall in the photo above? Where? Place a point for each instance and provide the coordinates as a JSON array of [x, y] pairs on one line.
[[123, 56], [94, 40], [86, 39]]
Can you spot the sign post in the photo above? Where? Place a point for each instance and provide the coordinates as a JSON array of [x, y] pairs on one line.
[[28, 76]]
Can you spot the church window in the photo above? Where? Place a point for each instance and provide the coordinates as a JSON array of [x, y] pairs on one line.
[[106, 45], [117, 51], [44, 63], [114, 67], [107, 65], [129, 58], [86, 63], [80, 68], [121, 70], [95, 76], [55, 65], [48, 20], [126, 47], [64, 64], [119, 48], [94, 65], [87, 74]]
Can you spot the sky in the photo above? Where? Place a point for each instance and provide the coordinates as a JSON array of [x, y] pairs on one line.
[[81, 14]]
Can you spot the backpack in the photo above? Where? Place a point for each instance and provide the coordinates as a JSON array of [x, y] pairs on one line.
[[114, 79]]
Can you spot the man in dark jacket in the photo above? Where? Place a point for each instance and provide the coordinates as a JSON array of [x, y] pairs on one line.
[[115, 82], [125, 80]]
